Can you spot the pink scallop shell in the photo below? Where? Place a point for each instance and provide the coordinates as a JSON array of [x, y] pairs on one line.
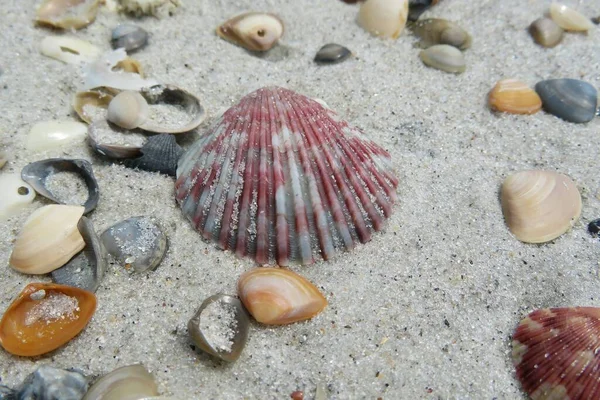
[[282, 179], [556, 353]]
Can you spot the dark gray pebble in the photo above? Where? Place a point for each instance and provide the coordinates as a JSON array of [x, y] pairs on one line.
[[332, 53], [570, 99]]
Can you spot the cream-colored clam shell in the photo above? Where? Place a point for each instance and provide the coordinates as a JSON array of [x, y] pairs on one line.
[[128, 110], [67, 14], [48, 239], [569, 19], [16, 194], [69, 50], [383, 18], [125, 383], [445, 58], [49, 135], [253, 31], [279, 296], [538, 205]]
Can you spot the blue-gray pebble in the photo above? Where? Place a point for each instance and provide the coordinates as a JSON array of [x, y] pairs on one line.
[[570, 99]]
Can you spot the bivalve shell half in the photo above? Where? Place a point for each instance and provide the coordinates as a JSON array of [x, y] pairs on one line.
[[67, 14], [445, 58], [514, 97], [570, 99], [254, 31], [555, 353], [130, 382], [538, 205], [434, 31], [48, 239], [91, 105], [278, 296], [281, 179], [383, 18], [569, 19], [44, 317], [546, 32]]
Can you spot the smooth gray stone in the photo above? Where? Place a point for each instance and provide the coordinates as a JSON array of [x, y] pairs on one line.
[[332, 53], [130, 37], [570, 99]]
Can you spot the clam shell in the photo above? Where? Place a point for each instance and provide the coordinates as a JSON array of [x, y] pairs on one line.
[[570, 99], [278, 296], [128, 110], [44, 317], [546, 32], [87, 268], [128, 36], [50, 135], [16, 195], [67, 14], [444, 57], [129, 382], [515, 97], [539, 206], [48, 239], [160, 154], [569, 19], [440, 31], [254, 31], [383, 18], [37, 174], [281, 179], [555, 353], [223, 342]]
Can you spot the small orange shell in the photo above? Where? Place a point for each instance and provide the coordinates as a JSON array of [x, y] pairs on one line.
[[278, 296], [514, 97], [44, 317]]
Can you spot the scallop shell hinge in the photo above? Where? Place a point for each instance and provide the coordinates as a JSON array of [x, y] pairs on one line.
[[282, 179]]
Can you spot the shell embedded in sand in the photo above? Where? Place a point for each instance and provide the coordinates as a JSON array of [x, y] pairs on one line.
[[282, 179], [254, 31], [48, 239], [278, 296], [67, 14], [539, 206], [514, 97], [569, 19], [445, 58], [44, 317], [555, 352], [383, 18]]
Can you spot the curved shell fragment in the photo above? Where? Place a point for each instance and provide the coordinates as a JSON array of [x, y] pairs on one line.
[[69, 50], [254, 31]]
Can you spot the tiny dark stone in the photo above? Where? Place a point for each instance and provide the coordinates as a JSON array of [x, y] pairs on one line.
[[594, 227], [332, 53], [159, 154]]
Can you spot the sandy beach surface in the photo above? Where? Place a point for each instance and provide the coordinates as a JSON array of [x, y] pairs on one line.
[[426, 310]]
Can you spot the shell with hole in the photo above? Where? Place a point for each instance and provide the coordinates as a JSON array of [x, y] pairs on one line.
[[434, 31], [514, 97], [48, 239], [383, 18], [539, 205], [69, 50], [16, 195], [276, 296], [255, 31], [67, 14], [281, 179]]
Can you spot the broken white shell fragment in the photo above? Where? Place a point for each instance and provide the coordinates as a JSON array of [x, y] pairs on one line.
[[54, 134], [67, 14], [383, 18], [569, 19], [128, 109], [254, 31], [16, 194], [48, 239], [538, 205], [69, 50], [100, 73]]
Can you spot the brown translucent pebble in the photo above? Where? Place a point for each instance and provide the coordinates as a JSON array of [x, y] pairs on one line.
[[277, 296], [538, 205], [546, 32], [556, 353], [514, 97], [44, 317]]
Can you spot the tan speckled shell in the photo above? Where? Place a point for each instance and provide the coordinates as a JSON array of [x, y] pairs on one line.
[[515, 97]]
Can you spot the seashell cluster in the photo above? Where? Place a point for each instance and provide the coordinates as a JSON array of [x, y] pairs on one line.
[[440, 31], [253, 31], [48, 239], [44, 317], [445, 58], [295, 184], [546, 32], [569, 19], [570, 99], [514, 97], [538, 205], [383, 18], [278, 296], [555, 353], [67, 14]]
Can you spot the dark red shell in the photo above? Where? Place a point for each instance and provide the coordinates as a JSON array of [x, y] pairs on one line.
[[555, 352], [284, 180]]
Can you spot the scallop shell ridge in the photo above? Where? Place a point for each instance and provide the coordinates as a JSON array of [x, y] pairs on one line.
[[281, 179]]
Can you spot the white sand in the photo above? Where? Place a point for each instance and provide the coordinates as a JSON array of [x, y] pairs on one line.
[[425, 310]]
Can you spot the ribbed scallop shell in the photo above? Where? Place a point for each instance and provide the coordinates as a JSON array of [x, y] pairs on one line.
[[555, 352], [282, 179]]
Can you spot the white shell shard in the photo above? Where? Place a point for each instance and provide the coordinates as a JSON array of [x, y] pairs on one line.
[[54, 134], [100, 74], [16, 194], [383, 18], [48, 239], [69, 50], [67, 14], [569, 19]]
